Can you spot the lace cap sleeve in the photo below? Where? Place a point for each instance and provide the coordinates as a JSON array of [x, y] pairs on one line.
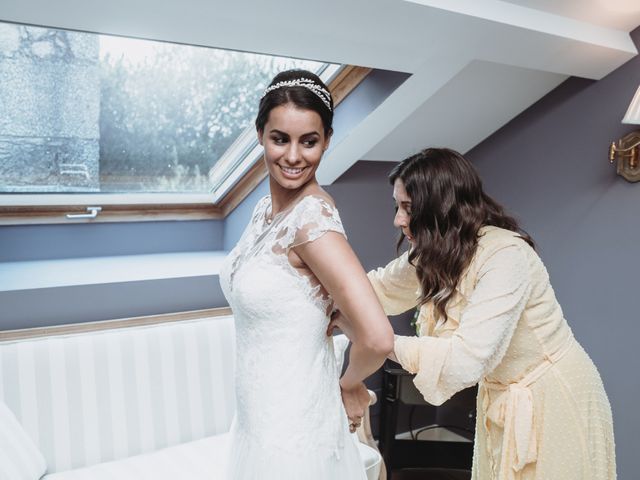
[[258, 210], [311, 219]]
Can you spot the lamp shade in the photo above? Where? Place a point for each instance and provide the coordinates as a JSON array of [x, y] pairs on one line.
[[633, 112]]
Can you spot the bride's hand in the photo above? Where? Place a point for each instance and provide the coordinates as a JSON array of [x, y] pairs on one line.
[[356, 400]]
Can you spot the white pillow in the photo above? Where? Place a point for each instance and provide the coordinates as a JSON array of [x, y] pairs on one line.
[[20, 458]]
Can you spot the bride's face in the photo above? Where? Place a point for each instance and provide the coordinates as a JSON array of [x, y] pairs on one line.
[[403, 209], [293, 141]]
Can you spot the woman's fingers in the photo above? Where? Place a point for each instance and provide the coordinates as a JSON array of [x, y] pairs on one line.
[[331, 327], [336, 316]]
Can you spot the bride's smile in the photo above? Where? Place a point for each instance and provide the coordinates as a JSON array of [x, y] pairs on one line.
[[294, 141], [291, 173]]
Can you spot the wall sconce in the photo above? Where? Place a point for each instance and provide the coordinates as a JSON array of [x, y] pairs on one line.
[[627, 149]]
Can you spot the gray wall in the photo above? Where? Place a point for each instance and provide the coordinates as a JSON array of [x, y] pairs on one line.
[[86, 303], [49, 242], [89, 303], [549, 166]]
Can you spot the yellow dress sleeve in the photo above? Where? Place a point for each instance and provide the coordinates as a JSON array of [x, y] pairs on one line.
[[396, 285], [444, 366]]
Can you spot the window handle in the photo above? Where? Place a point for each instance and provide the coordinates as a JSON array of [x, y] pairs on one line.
[[92, 213]]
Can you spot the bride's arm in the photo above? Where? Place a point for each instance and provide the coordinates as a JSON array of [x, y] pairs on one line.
[[336, 266]]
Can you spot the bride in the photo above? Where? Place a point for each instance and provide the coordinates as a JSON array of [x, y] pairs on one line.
[[289, 271]]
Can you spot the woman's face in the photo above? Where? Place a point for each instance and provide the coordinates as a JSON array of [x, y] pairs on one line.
[[293, 141], [403, 209]]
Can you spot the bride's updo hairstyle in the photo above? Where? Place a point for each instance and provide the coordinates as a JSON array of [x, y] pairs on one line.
[[303, 89], [448, 208]]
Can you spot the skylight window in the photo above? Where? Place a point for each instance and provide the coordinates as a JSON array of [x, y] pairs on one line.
[[83, 113]]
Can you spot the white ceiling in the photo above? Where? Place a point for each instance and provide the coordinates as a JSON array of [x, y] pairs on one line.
[[475, 64], [618, 14]]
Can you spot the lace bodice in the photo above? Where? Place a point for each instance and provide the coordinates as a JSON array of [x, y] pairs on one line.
[[287, 390], [306, 221]]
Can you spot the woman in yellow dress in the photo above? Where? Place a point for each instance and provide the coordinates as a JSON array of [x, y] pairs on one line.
[[488, 316]]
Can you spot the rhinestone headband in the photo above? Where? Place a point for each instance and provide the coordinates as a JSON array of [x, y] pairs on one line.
[[322, 93]]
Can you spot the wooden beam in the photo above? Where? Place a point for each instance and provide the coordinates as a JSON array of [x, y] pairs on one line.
[[346, 81]]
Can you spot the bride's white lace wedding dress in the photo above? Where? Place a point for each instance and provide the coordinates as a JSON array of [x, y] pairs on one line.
[[290, 422]]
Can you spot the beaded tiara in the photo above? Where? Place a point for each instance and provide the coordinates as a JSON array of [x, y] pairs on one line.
[[322, 93]]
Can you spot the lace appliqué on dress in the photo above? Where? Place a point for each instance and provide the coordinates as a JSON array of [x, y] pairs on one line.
[[248, 239], [309, 220], [289, 414], [305, 222]]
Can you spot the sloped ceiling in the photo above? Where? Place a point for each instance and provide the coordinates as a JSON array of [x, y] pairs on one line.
[[475, 64]]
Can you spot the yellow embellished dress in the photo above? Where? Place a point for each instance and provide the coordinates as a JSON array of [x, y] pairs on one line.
[[543, 413]]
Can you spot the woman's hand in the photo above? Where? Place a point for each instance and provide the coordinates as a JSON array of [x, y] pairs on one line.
[[341, 322], [337, 322], [356, 400]]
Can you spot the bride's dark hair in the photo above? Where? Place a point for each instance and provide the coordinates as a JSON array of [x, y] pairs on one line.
[[300, 96], [448, 208]]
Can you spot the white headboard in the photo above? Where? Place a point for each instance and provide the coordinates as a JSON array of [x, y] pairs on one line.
[[92, 397]]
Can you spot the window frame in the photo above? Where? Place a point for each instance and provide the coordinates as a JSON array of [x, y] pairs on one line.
[[245, 176]]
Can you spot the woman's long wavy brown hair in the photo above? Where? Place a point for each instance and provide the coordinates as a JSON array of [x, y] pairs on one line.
[[448, 208]]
